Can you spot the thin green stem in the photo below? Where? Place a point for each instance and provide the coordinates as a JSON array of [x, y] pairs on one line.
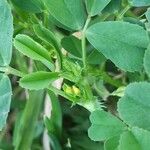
[[107, 78], [86, 23], [61, 93], [15, 72], [120, 16], [83, 42], [27, 125], [84, 51], [10, 70], [45, 19]]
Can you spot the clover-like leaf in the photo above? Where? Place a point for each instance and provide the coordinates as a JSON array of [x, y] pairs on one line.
[[147, 61], [134, 106], [72, 13], [135, 139], [139, 3], [72, 45], [95, 58], [5, 99], [112, 143], [128, 141], [104, 126], [96, 6], [31, 6], [6, 33], [124, 45], [113, 7]]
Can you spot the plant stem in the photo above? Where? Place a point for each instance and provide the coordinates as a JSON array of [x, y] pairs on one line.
[[26, 129], [83, 42], [88, 105], [109, 80], [10, 70], [45, 22], [119, 17], [61, 93]]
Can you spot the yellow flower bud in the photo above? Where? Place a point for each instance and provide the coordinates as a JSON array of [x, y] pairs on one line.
[[68, 90], [76, 90]]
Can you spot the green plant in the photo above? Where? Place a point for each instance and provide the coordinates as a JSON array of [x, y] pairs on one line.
[[94, 53]]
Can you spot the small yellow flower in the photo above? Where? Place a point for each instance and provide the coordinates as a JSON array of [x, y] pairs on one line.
[[75, 90], [68, 90]]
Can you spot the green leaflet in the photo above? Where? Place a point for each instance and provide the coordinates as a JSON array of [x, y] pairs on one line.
[[32, 49], [124, 45], [135, 139], [148, 15], [72, 45], [139, 3], [112, 143], [128, 142], [113, 7], [6, 33], [38, 80], [142, 136], [48, 37], [31, 6], [147, 61], [94, 7], [95, 58], [5, 99], [104, 126], [135, 105], [68, 12]]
